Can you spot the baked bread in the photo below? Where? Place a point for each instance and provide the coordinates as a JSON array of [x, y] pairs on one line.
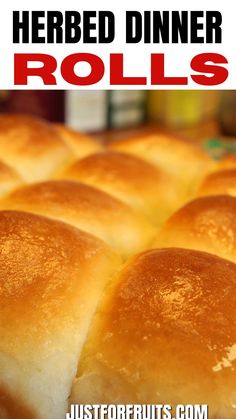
[[164, 333], [219, 183], [51, 277], [81, 144], [9, 179], [228, 161], [87, 208], [130, 179], [207, 223], [32, 146], [183, 159]]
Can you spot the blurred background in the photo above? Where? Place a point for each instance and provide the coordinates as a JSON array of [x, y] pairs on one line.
[[196, 115]]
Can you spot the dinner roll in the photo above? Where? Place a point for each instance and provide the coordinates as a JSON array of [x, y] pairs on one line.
[[51, 277], [130, 179], [219, 183], [81, 144], [228, 161], [207, 223], [87, 208], [181, 158], [32, 147], [164, 333], [9, 179]]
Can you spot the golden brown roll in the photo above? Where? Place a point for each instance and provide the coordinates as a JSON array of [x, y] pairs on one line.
[[164, 333], [81, 144], [130, 179], [9, 179], [219, 183], [87, 208], [51, 277], [181, 158], [228, 161], [207, 223], [32, 147]]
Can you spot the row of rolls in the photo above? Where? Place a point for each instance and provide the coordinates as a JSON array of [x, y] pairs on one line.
[[117, 272]]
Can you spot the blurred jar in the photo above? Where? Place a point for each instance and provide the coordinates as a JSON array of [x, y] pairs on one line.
[[227, 112], [83, 110], [98, 110], [179, 108]]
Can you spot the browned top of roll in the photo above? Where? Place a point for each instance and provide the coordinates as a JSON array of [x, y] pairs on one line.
[[207, 224], [178, 156], [228, 161], [219, 183], [81, 144], [9, 179], [165, 331], [134, 181], [151, 141], [51, 277], [32, 146], [87, 208], [42, 261]]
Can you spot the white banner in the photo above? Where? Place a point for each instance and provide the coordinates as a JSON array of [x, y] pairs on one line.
[[117, 45]]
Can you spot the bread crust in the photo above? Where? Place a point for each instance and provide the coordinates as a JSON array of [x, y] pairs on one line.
[[9, 179], [51, 278], [32, 146], [221, 182], [81, 144], [182, 158], [206, 223], [136, 182], [88, 209], [165, 332]]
